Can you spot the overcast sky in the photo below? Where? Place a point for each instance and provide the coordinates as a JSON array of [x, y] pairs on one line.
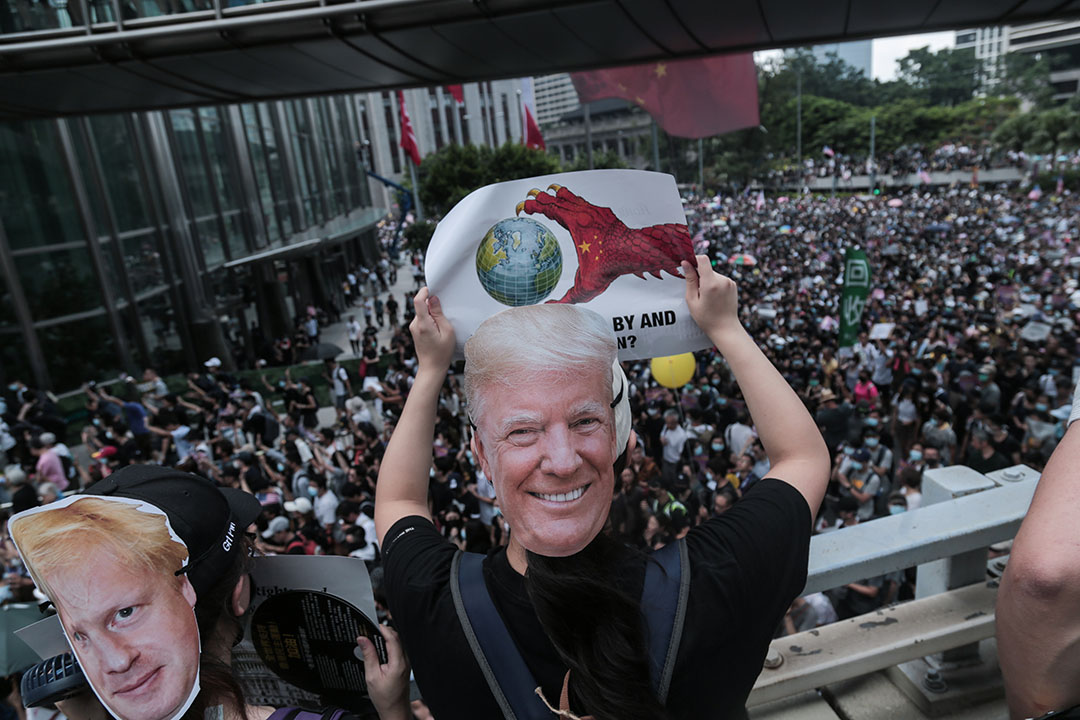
[[888, 50]]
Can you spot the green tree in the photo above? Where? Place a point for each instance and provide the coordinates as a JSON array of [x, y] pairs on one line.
[[513, 161], [452, 173], [418, 235], [1043, 132], [1016, 132], [1026, 76], [608, 160], [947, 77]]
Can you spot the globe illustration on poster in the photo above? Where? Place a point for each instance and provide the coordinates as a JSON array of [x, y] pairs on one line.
[[519, 262]]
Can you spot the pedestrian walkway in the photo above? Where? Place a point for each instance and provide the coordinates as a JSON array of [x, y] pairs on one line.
[[403, 291]]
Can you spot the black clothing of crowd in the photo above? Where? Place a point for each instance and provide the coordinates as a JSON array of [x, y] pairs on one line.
[[975, 294]]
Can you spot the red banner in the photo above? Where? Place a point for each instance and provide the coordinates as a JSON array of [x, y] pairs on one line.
[[408, 137], [687, 98], [457, 93]]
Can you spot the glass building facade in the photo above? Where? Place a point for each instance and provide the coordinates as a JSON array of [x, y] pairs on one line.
[[160, 239]]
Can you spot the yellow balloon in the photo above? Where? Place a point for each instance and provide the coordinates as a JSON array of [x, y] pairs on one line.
[[674, 371]]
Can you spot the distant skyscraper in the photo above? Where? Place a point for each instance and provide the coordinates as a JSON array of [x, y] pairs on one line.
[[858, 54], [555, 95], [990, 44], [1059, 42]]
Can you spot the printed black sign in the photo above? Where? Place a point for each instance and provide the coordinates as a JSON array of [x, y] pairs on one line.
[[308, 639]]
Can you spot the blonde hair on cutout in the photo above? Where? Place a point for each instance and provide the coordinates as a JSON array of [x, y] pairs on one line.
[[57, 539]]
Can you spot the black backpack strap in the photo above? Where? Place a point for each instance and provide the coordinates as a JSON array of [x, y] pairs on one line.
[[505, 670], [288, 713], [663, 601]]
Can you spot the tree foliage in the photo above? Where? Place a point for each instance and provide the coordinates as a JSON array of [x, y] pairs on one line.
[[608, 160], [454, 171], [1025, 76], [418, 235], [1042, 132], [946, 77]]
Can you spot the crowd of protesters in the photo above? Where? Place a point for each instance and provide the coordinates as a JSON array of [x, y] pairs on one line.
[[965, 356], [916, 160]]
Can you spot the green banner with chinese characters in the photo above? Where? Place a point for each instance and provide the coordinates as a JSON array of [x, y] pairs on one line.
[[853, 300]]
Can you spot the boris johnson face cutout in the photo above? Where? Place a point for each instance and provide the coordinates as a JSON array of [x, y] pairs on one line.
[[109, 566]]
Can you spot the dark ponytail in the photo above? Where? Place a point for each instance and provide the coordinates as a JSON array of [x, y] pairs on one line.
[[219, 630], [597, 629]]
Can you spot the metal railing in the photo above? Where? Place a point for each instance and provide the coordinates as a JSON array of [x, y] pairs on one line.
[[947, 539]]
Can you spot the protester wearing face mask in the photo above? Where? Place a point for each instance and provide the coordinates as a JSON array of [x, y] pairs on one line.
[[938, 433], [881, 457], [931, 458], [859, 481]]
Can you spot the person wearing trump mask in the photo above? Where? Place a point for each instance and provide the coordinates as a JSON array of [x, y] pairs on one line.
[[549, 403]]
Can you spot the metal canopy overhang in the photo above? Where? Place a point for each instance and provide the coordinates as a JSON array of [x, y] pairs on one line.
[[319, 237], [295, 48]]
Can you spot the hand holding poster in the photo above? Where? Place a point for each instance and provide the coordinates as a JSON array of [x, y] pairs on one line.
[[609, 240]]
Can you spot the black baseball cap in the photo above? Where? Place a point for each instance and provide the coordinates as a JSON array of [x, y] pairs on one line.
[[209, 519]]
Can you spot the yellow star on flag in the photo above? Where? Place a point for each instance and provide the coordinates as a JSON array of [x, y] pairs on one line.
[[661, 70], [584, 247], [622, 87], [639, 101]]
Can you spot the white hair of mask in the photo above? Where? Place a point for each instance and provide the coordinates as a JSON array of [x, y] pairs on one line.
[[543, 338]]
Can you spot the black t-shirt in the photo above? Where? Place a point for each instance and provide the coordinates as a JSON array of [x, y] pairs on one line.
[[1007, 446], [977, 462], [747, 565], [255, 479]]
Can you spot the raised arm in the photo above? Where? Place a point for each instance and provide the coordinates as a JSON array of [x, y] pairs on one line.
[[1038, 605], [403, 475], [789, 435]]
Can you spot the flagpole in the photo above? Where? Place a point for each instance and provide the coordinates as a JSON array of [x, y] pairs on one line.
[[457, 119], [588, 136], [415, 191]]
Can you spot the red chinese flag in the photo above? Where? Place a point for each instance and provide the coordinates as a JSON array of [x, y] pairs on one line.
[[408, 137], [688, 98], [457, 93], [533, 138]]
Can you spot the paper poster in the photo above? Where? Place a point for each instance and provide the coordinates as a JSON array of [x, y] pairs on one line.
[[109, 565], [881, 331], [306, 614], [608, 240]]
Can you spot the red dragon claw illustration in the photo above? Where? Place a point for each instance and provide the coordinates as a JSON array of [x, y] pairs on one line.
[[606, 247]]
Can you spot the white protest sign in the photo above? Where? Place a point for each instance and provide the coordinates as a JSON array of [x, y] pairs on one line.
[[609, 240], [881, 331]]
